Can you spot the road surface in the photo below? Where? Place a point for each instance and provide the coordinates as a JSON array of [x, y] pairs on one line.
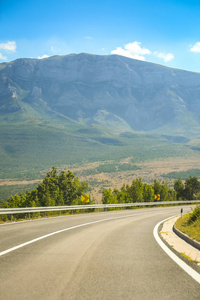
[[109, 255]]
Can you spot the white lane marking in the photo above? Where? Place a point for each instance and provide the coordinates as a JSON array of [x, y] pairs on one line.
[[195, 275], [66, 229]]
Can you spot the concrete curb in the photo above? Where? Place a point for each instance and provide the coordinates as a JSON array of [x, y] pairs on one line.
[[186, 238]]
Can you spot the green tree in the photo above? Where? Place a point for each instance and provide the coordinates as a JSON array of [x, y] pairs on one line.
[[60, 199], [163, 190], [14, 201], [108, 197], [148, 193], [33, 198], [172, 195], [157, 187], [71, 187], [192, 188], [120, 196], [136, 190], [164, 193], [179, 188]]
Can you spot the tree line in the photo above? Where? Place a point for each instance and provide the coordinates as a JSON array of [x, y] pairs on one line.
[[65, 189], [55, 189], [143, 192], [189, 190]]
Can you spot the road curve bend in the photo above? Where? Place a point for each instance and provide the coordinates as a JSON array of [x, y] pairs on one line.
[[110, 255]]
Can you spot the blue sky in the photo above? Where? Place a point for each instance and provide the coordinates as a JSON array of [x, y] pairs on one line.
[[163, 32]]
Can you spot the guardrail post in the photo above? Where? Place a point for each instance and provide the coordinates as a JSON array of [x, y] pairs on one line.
[[59, 212], [72, 211], [45, 214], [29, 215], [11, 217]]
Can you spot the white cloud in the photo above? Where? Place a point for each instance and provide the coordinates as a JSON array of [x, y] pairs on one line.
[[43, 56], [3, 57], [9, 46], [165, 56], [135, 48], [132, 50], [196, 47]]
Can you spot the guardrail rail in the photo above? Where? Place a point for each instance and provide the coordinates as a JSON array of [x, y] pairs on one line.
[[29, 210]]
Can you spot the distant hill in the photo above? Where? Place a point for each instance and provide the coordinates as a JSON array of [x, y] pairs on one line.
[[79, 108], [121, 93]]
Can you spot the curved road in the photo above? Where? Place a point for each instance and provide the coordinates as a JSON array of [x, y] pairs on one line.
[[115, 258]]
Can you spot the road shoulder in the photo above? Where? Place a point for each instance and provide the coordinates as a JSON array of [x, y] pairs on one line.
[[175, 242]]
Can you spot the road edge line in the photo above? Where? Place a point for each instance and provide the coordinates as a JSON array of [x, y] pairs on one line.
[[190, 271]]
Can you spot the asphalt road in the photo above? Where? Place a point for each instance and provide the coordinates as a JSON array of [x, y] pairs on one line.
[[111, 259]]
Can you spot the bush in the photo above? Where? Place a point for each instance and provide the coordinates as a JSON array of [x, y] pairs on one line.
[[195, 215]]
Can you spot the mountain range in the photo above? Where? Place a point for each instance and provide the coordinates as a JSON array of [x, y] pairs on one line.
[[118, 92], [83, 107]]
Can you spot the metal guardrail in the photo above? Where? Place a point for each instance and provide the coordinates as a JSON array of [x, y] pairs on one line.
[[29, 210]]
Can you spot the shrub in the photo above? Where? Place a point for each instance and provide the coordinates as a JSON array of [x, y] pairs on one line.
[[195, 215]]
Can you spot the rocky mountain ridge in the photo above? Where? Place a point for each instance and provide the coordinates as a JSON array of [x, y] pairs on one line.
[[118, 92]]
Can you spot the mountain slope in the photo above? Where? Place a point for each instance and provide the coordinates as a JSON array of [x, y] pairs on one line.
[[71, 109], [137, 95]]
